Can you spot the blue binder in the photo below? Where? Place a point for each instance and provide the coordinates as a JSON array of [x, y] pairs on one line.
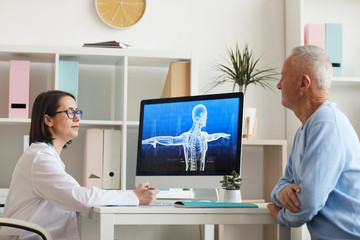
[[69, 77], [333, 46]]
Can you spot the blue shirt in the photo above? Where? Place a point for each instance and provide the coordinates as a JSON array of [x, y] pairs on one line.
[[325, 162]]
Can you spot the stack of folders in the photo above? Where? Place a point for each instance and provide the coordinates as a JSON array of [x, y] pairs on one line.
[[102, 159]]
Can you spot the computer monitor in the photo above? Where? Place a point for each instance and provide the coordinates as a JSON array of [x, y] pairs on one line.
[[189, 142]]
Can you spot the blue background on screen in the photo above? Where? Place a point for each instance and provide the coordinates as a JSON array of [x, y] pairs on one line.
[[173, 119]]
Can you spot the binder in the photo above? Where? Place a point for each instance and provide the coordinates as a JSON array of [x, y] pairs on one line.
[[26, 142], [93, 158], [4, 192], [19, 81], [333, 44], [177, 81], [69, 77], [111, 164], [315, 35]]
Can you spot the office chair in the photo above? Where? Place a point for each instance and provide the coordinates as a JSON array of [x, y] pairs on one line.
[[28, 226]]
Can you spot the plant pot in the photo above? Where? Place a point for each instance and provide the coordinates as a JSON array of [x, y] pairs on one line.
[[232, 196]]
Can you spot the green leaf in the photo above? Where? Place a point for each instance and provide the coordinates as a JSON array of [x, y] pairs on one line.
[[241, 69], [232, 182]]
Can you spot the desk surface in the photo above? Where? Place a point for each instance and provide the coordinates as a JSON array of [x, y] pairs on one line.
[[108, 217], [171, 209], [174, 215]]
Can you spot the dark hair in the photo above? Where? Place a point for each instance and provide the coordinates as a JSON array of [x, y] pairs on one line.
[[45, 103]]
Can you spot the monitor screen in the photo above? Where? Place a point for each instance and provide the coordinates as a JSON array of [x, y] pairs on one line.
[[189, 142]]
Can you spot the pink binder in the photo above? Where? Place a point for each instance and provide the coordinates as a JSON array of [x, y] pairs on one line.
[[315, 35], [19, 80], [93, 158]]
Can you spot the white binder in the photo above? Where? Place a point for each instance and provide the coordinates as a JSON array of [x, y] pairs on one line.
[[111, 164], [26, 142]]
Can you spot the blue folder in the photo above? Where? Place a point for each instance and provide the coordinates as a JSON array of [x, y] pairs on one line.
[[333, 45], [188, 204], [69, 77]]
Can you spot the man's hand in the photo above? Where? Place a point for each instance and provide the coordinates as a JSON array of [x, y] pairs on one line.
[[288, 197], [145, 193], [274, 209]]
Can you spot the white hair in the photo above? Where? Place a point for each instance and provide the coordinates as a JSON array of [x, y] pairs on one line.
[[314, 61]]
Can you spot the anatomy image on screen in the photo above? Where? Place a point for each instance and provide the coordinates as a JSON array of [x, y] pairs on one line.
[[194, 142]]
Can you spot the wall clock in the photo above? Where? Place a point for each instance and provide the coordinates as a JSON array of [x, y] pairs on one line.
[[120, 13]]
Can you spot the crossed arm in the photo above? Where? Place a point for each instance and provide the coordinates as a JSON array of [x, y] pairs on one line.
[[288, 199]]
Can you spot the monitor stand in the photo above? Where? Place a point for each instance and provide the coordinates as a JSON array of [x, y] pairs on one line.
[[175, 194], [206, 194], [195, 194]]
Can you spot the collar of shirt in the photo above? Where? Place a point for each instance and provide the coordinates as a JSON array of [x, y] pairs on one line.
[[62, 163]]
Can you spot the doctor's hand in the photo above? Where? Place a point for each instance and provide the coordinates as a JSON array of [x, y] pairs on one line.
[[288, 197], [145, 193]]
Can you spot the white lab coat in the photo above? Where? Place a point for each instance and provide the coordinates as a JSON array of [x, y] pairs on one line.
[[43, 193]]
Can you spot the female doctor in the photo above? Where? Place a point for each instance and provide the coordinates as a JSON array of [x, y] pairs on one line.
[[41, 191]]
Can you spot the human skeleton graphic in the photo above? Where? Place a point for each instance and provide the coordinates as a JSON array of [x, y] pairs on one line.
[[194, 142]]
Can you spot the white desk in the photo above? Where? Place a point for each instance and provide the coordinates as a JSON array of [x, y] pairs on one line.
[[108, 217]]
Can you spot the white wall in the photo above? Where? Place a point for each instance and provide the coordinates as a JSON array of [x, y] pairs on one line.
[[205, 27]]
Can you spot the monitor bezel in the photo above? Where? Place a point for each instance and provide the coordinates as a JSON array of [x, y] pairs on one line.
[[189, 181]]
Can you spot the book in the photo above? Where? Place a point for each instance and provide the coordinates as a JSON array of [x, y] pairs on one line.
[[188, 204], [108, 44]]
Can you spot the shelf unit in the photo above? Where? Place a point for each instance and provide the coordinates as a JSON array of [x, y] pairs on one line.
[[262, 173], [263, 163], [274, 159], [112, 82]]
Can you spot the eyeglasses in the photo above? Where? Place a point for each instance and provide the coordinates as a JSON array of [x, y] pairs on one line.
[[71, 113]]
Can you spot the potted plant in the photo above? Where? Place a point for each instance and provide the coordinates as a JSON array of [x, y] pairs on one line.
[[232, 185], [241, 69]]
